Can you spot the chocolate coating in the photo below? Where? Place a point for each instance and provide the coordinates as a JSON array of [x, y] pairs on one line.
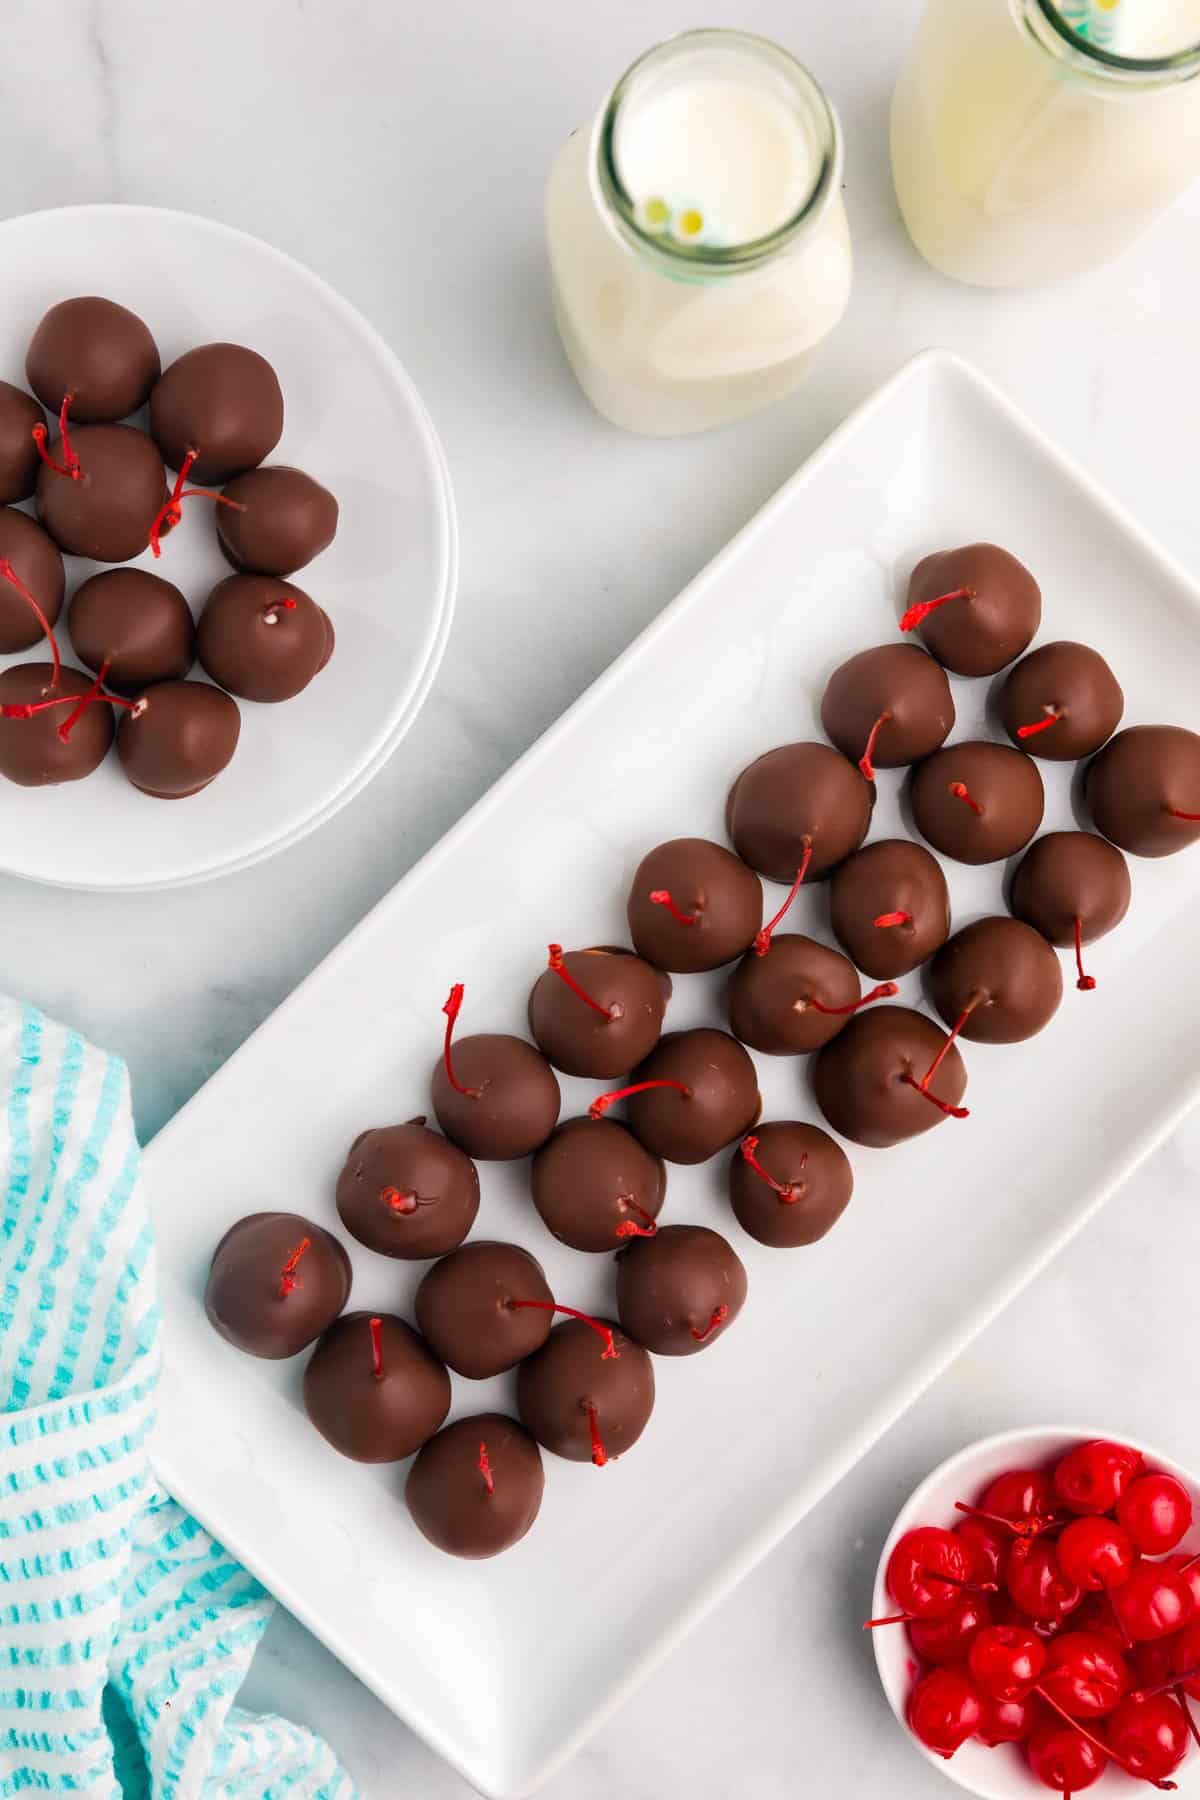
[[514, 1102], [592, 1180], [99, 353], [1070, 875], [370, 1417], [466, 1306], [37, 563], [798, 791], [1008, 975], [900, 684], [813, 1168], [771, 997], [108, 512], [136, 623], [722, 1099], [287, 518], [863, 1079], [224, 402], [31, 752], [256, 646], [569, 1374], [1004, 784], [1069, 684], [576, 1039], [19, 459], [407, 1192], [252, 1299], [448, 1496], [891, 876], [996, 621], [179, 738], [681, 1290], [1135, 781], [709, 885]]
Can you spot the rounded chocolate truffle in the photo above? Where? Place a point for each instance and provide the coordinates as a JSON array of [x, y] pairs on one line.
[[793, 999], [476, 1487], [693, 905], [680, 1290], [121, 489], [890, 907], [32, 754], [997, 980], [261, 638], [1061, 702], [798, 795], [277, 1282], [976, 608], [373, 1388], [789, 1184], [134, 625], [507, 1099], [704, 1094], [977, 802], [19, 459], [1143, 789], [99, 354], [1073, 887], [281, 519], [632, 997], [579, 1401], [36, 561], [408, 1192], [594, 1185], [222, 402], [888, 707], [178, 738], [868, 1080], [485, 1307]]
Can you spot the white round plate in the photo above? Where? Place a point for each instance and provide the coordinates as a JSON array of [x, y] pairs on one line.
[[354, 420]]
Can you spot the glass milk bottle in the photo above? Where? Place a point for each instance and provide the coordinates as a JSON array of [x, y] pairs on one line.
[[698, 244], [1033, 139]]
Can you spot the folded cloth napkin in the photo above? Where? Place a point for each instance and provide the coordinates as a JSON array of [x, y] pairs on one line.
[[125, 1631]]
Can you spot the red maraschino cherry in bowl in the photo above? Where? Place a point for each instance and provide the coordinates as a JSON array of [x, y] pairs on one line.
[[1036, 1618]]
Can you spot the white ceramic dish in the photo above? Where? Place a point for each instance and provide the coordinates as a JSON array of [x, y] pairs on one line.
[[1002, 1774], [354, 420], [505, 1667]]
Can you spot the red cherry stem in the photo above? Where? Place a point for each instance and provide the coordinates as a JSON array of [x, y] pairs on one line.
[[923, 608], [884, 991], [556, 964], [1085, 982], [1165, 1687], [398, 1201], [288, 1279], [14, 580], [599, 1453], [610, 1352], [1176, 814], [922, 1086], [966, 1587], [866, 766], [762, 939], [171, 511], [1106, 1750], [271, 611], [1182, 1698], [943, 1106], [1054, 715], [26, 709], [959, 790], [719, 1316], [600, 1106], [1030, 1527], [85, 700], [628, 1228], [1189, 1564], [70, 462], [893, 918], [787, 1191], [451, 1009], [1118, 1621], [375, 1327], [485, 1469], [892, 1619], [661, 897]]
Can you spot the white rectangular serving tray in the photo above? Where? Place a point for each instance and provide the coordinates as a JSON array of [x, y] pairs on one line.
[[506, 1666]]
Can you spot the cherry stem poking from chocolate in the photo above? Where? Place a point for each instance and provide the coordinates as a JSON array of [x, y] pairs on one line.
[[1086, 982], [922, 1086], [599, 1453], [719, 1316], [271, 611], [628, 1228], [451, 1009], [1176, 814], [26, 709], [1164, 1687], [85, 700], [485, 1469], [610, 1353], [1106, 1750], [788, 1191], [660, 897], [171, 511], [959, 790], [923, 608], [884, 991], [397, 1201], [375, 1327], [943, 1106], [70, 462], [288, 1278], [865, 765], [600, 1106], [1054, 714], [762, 939], [556, 965], [893, 918], [14, 580]]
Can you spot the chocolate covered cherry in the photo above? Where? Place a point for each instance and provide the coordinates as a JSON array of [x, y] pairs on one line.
[[594, 1185], [1073, 887], [277, 1282], [678, 1291], [583, 1400], [789, 1183], [53, 727], [408, 1192], [693, 906], [597, 1012], [485, 1307], [794, 998], [476, 1486], [976, 608], [494, 1095], [20, 414], [978, 802], [373, 1388], [1061, 702], [279, 520], [694, 1094], [262, 639], [33, 581], [134, 625], [101, 491], [800, 804], [178, 738], [996, 981], [1143, 789], [890, 1075], [94, 354], [219, 405], [888, 707]]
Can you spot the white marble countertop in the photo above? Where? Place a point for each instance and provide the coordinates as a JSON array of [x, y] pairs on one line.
[[401, 152]]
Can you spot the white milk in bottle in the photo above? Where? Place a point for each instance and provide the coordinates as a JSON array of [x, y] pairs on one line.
[[698, 244]]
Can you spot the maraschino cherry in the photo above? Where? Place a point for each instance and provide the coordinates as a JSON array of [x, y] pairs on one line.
[[1064, 1759], [1092, 1477], [1085, 1675], [1149, 1738], [1038, 1584], [1006, 1661], [1156, 1511], [947, 1641], [1096, 1554], [1008, 1721], [944, 1711], [1153, 1603]]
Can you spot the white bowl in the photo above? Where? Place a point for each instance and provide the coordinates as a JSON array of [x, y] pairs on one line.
[[1003, 1773]]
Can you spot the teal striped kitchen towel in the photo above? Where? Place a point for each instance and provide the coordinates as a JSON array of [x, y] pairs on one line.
[[125, 1631]]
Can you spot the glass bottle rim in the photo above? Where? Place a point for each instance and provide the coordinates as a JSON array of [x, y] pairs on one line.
[[682, 259], [1098, 60]]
